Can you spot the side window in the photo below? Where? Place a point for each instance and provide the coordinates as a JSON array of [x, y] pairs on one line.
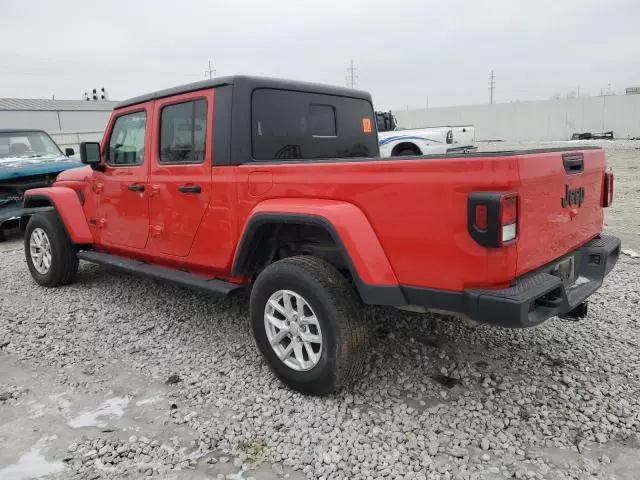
[[299, 125], [126, 145], [183, 129]]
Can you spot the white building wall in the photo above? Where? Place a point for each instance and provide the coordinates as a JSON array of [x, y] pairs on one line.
[[545, 120], [84, 121], [47, 121], [67, 127], [73, 139]]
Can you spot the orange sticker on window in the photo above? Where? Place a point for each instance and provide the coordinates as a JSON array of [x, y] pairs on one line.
[[366, 125]]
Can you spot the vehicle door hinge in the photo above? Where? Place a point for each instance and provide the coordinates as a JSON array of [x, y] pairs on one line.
[[101, 223], [155, 230]]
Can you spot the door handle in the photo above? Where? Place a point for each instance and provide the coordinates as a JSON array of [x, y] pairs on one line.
[[190, 188], [136, 187]]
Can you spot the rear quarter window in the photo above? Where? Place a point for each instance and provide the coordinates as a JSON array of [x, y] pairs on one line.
[[299, 125]]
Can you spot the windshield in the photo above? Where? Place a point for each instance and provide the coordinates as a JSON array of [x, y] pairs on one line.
[[27, 144]]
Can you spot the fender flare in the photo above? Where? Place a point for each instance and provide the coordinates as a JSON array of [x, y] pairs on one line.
[[351, 232], [67, 203]]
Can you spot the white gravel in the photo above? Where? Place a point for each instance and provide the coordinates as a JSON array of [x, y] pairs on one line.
[[439, 399]]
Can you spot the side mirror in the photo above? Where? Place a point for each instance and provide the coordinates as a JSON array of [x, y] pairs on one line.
[[69, 152], [90, 154]]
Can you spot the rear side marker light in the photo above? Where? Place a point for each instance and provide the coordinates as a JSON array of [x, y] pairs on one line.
[[607, 196]]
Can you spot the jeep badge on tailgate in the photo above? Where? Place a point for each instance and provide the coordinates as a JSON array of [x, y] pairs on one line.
[[573, 196]]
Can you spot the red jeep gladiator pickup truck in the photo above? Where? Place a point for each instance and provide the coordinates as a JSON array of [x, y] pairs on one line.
[[277, 187]]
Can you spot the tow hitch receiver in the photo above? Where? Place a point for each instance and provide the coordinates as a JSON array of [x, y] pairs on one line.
[[577, 313]]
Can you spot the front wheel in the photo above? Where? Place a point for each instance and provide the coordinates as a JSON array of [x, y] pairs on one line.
[[50, 254], [308, 323]]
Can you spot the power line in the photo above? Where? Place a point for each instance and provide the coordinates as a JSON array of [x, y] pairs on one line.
[[492, 86], [351, 76], [210, 71]]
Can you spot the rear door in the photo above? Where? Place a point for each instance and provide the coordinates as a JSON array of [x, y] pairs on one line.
[[180, 180], [122, 212], [560, 204]]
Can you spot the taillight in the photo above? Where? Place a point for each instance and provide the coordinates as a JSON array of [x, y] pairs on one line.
[[481, 217], [508, 218], [607, 197], [493, 218]]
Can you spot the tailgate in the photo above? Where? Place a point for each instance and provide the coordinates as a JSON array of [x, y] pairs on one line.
[[560, 204]]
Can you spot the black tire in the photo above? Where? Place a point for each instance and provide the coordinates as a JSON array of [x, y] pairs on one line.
[[64, 262], [3, 237], [407, 152], [338, 310]]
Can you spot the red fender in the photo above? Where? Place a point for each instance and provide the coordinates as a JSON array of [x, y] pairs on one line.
[[352, 226], [67, 204]]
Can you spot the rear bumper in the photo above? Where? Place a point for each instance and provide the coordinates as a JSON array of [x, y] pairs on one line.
[[533, 298]]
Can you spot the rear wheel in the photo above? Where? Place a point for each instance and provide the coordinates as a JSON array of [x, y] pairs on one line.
[[50, 254], [308, 323], [406, 153]]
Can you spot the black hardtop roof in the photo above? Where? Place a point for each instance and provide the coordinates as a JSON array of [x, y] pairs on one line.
[[250, 83]]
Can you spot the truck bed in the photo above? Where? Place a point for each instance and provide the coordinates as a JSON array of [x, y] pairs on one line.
[[418, 208]]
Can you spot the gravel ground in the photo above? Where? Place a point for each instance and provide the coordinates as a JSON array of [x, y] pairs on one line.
[[118, 377]]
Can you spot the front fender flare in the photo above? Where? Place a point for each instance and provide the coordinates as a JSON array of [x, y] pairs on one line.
[[67, 204], [352, 233]]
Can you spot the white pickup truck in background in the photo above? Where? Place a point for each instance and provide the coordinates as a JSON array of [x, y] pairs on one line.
[[396, 142]]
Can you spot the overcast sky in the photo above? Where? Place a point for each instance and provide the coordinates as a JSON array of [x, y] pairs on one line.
[[404, 50]]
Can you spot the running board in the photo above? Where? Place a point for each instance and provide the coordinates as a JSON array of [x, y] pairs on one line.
[[181, 278]]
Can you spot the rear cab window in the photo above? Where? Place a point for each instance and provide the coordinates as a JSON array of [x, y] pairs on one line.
[[298, 125]]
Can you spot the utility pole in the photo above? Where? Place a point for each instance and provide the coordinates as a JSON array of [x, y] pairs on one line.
[[492, 86], [210, 72], [351, 76]]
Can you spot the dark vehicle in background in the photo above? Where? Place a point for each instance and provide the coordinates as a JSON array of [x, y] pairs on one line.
[[592, 136], [28, 159]]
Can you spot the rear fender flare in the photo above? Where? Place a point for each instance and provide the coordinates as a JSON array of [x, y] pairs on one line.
[[67, 204], [351, 232]]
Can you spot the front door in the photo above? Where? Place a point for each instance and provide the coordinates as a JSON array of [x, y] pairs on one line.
[[122, 214], [180, 180]]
